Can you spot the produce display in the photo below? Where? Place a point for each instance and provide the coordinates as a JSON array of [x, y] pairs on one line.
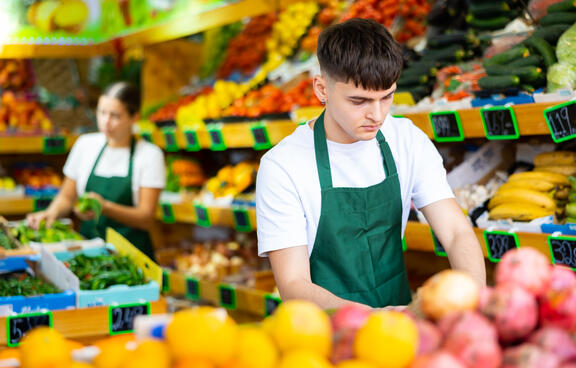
[[7, 186], [216, 44], [21, 283], [7, 242], [211, 262], [22, 114], [168, 111], [15, 75], [101, 272], [492, 15], [183, 174], [57, 232], [232, 180]]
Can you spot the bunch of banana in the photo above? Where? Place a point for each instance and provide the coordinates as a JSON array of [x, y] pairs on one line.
[[529, 195], [560, 162]]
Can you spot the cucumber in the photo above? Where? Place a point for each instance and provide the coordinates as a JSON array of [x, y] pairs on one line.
[[526, 74], [452, 53], [499, 82], [412, 80], [417, 92], [508, 55], [489, 10], [563, 6], [558, 18], [429, 71], [532, 60], [543, 48], [487, 24], [448, 39], [551, 33]]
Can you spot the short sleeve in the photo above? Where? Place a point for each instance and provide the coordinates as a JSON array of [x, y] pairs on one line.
[[73, 165], [153, 173], [279, 212], [430, 183]]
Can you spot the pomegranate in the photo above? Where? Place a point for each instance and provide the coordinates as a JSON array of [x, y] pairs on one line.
[[351, 316], [561, 278], [467, 323], [448, 291], [439, 359], [475, 353], [558, 308], [429, 337], [529, 356], [525, 267], [556, 341]]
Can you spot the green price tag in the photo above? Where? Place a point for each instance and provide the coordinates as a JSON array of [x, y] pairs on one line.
[[227, 296], [147, 136], [438, 248], [170, 140], [446, 126], [260, 135], [404, 246], [561, 120], [498, 243], [242, 220], [398, 116], [202, 216], [54, 145], [499, 123], [121, 317], [217, 142], [167, 213], [563, 251], [17, 326], [192, 288], [271, 302], [165, 281], [192, 142], [41, 203]]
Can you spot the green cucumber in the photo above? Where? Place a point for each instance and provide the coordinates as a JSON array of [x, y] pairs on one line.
[[508, 55], [525, 73], [419, 71], [563, 6], [532, 60], [551, 33], [558, 18], [448, 39], [487, 24], [489, 10], [452, 53], [499, 82], [417, 92], [412, 80], [543, 48]]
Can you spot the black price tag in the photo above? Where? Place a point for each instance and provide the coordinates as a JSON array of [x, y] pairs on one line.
[[18, 326], [202, 216], [438, 248], [165, 281], [271, 302], [192, 142], [217, 142], [167, 213], [170, 140], [499, 123], [147, 136], [192, 288], [498, 243], [41, 203], [121, 317], [260, 135], [561, 120], [446, 126], [54, 145], [227, 296], [563, 250], [242, 220]]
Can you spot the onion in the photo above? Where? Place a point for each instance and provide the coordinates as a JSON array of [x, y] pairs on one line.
[[447, 292]]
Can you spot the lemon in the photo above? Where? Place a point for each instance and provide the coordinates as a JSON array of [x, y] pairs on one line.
[[113, 352], [149, 354], [256, 349], [304, 359], [44, 347], [355, 363]]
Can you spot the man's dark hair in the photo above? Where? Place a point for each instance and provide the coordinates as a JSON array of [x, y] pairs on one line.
[[126, 93], [360, 50]]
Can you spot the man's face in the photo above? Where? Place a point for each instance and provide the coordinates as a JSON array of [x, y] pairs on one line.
[[354, 113]]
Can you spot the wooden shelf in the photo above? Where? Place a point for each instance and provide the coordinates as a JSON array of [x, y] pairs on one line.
[[55, 51], [219, 216], [16, 206], [35, 144]]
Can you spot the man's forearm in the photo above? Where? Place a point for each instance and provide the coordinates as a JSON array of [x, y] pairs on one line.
[[306, 290], [465, 254]]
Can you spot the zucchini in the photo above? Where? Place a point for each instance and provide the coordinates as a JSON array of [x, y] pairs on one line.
[[532, 60], [429, 71], [558, 18], [551, 33], [417, 92], [452, 53], [489, 10], [487, 24], [412, 80], [525, 73], [499, 82], [507, 56], [448, 39], [543, 48], [562, 6]]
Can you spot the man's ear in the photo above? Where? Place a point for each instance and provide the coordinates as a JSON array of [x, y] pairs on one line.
[[320, 85]]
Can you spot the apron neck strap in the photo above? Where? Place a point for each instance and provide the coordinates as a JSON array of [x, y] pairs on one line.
[[323, 160], [132, 145]]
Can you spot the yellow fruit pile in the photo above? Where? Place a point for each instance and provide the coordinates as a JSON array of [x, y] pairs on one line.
[[232, 180]]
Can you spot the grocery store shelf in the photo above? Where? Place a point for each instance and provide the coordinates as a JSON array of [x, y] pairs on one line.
[[16, 206], [218, 216], [35, 144], [54, 51]]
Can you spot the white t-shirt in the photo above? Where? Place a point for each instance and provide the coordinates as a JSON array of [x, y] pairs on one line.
[[288, 196], [148, 168]]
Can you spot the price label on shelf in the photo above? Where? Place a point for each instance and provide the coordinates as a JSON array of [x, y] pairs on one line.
[[165, 281], [260, 135], [121, 317], [227, 296], [438, 247], [167, 213], [54, 145], [192, 142], [242, 220], [563, 250], [498, 243], [404, 246], [217, 142], [41, 203], [192, 288], [170, 140], [147, 136], [271, 302], [202, 216], [499, 123], [17, 326], [446, 126], [561, 120]]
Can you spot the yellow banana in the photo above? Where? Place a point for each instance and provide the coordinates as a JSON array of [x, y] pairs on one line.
[[533, 184], [518, 195], [541, 175], [518, 212], [555, 158], [566, 170]]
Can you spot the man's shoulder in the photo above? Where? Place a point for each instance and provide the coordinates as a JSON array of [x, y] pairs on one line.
[[293, 147]]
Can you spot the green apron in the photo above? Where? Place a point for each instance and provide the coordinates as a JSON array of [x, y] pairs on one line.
[[357, 252], [116, 189]]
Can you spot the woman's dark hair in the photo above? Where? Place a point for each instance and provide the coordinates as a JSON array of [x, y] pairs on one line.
[[125, 93], [360, 50]]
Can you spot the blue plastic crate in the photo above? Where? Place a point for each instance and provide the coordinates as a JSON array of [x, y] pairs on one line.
[[16, 263], [29, 304]]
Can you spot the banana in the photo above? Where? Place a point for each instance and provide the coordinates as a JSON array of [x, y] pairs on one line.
[[566, 170], [518, 211], [555, 158], [533, 184], [517, 195], [562, 193], [541, 175]]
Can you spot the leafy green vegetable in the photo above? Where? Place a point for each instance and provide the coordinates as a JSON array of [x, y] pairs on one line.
[[57, 232], [20, 283], [101, 272]]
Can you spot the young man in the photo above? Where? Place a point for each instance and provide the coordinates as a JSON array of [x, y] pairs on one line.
[[333, 198]]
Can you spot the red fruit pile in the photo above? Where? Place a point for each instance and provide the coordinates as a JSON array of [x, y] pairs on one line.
[[168, 111]]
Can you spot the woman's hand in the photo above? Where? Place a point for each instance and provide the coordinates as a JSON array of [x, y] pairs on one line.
[[91, 215], [36, 218]]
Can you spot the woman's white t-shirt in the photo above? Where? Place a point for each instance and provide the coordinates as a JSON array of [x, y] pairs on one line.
[[148, 168], [288, 197]]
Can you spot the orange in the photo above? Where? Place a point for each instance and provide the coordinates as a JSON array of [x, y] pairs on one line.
[[255, 349], [44, 347], [304, 359], [74, 345], [355, 363], [194, 363], [299, 324], [113, 352], [148, 354], [81, 365], [10, 353], [202, 332], [388, 339]]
